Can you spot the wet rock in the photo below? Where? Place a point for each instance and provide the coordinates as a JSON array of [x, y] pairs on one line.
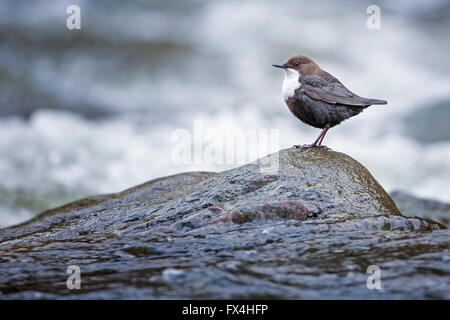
[[417, 123], [410, 205], [307, 230]]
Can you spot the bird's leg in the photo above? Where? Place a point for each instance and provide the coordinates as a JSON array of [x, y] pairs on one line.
[[317, 142], [324, 132]]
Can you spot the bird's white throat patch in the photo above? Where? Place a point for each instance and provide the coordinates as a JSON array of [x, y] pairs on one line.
[[290, 83]]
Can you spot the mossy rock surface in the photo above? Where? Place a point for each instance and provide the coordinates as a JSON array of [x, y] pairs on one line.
[[307, 230]]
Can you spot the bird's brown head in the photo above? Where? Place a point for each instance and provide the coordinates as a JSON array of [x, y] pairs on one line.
[[302, 64]]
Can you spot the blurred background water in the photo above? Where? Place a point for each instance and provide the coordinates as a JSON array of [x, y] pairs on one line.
[[92, 111]]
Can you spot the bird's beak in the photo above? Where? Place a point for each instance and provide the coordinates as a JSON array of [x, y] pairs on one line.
[[279, 66]]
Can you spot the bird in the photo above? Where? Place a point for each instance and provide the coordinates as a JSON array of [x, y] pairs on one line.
[[317, 98]]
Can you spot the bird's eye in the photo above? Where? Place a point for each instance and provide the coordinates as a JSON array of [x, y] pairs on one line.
[[297, 63]]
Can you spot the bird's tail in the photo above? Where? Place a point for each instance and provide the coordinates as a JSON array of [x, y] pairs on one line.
[[375, 101]]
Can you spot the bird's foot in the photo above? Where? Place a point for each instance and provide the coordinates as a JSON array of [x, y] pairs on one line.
[[303, 146], [308, 146], [323, 147]]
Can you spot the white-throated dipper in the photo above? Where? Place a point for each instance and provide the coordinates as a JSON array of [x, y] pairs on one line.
[[317, 98]]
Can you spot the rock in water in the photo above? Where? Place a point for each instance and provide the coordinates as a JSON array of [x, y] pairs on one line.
[[425, 208], [309, 230]]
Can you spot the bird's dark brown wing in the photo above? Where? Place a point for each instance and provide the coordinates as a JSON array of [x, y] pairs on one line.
[[328, 89]]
